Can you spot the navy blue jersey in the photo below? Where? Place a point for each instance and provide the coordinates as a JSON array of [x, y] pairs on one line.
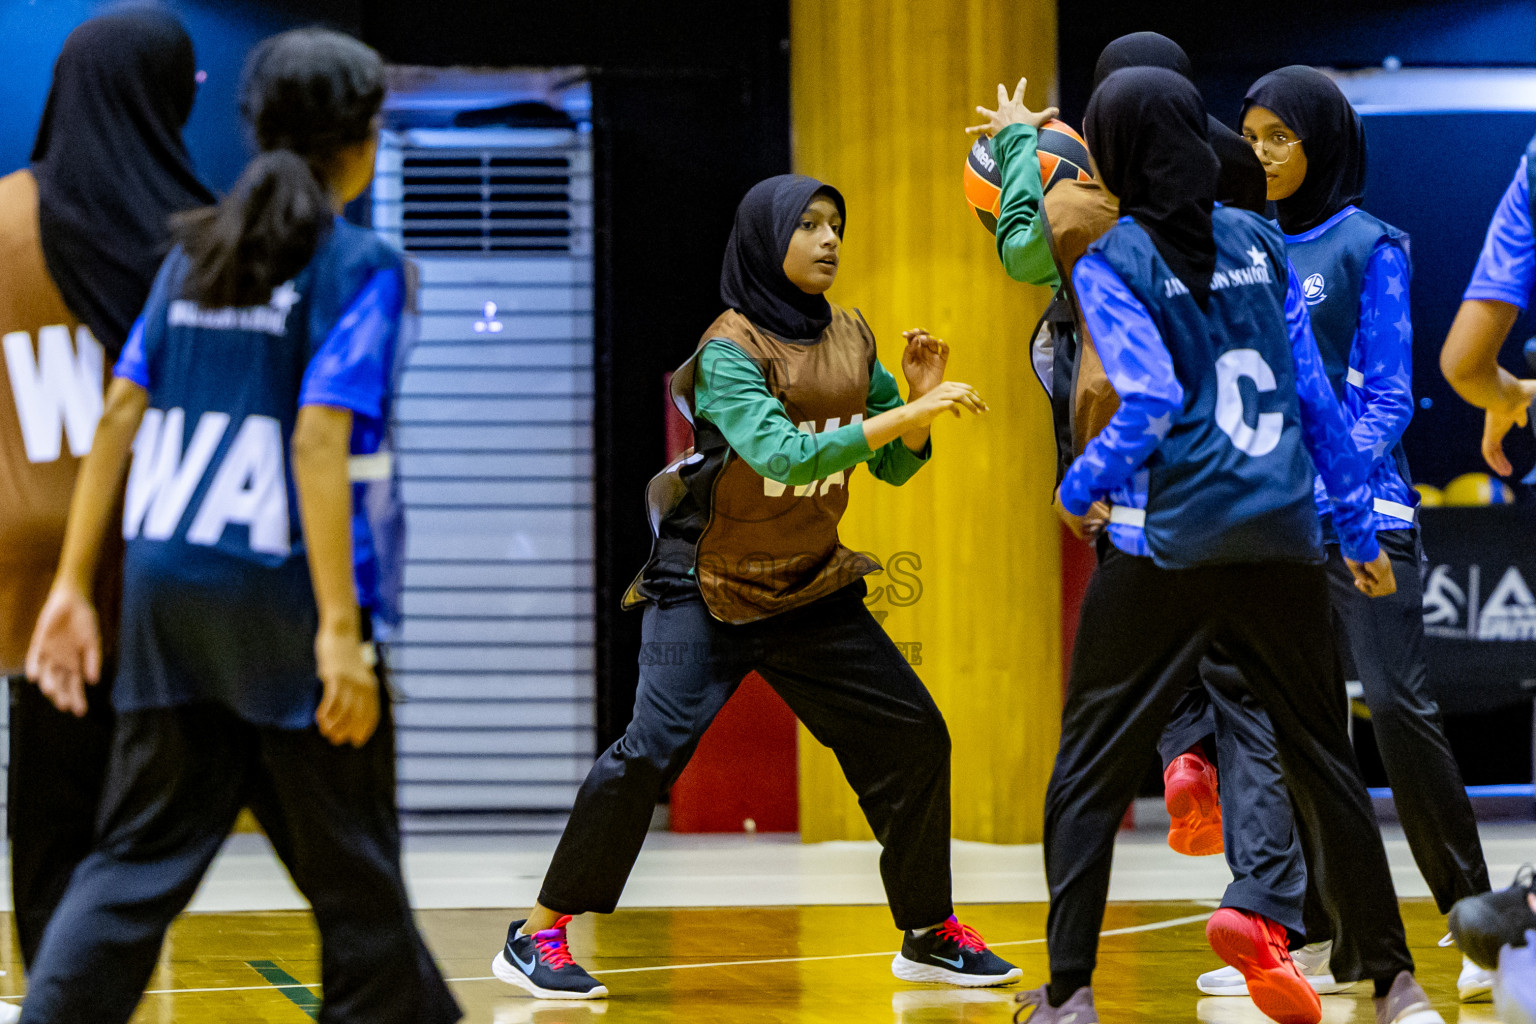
[[1354, 272], [217, 601], [1207, 458]]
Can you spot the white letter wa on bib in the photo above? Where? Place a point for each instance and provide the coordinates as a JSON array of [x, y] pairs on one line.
[[58, 394], [1230, 368], [772, 488], [249, 488]]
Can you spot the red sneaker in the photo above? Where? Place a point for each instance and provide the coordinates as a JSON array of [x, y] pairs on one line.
[[1189, 791], [1257, 947]]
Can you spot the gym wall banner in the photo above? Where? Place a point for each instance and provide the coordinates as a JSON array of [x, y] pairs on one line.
[[1479, 606]]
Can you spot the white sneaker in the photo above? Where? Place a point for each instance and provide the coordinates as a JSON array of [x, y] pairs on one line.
[[10, 1013], [1311, 960], [1475, 984]]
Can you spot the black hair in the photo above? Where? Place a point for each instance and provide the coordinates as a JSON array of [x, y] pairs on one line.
[[306, 95]]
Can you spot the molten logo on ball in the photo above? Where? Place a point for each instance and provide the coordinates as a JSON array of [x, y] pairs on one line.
[[1061, 153]]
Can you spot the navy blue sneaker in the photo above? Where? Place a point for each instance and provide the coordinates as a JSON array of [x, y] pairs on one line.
[[952, 954], [541, 965]]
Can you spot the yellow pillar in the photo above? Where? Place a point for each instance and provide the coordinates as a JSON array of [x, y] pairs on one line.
[[880, 93]]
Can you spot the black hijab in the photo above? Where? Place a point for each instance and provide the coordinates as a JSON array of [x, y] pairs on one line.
[[1312, 105], [1142, 50], [1242, 176], [110, 163], [752, 280], [1146, 129]]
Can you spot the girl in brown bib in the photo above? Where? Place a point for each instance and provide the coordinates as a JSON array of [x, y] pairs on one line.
[[747, 574]]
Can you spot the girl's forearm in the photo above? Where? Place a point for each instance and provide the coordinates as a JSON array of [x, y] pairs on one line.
[[1470, 358], [99, 485], [902, 422], [320, 452], [916, 440]]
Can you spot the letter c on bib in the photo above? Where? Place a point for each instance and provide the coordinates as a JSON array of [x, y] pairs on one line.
[[1233, 365]]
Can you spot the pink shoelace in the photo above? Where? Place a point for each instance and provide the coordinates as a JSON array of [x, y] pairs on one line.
[[966, 936], [553, 949]]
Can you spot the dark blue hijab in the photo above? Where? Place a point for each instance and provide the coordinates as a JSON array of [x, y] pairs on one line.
[[752, 280], [1242, 176], [1146, 129]]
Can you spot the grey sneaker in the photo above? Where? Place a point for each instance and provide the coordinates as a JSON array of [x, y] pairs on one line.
[[1475, 984], [1406, 1003], [1076, 1010]]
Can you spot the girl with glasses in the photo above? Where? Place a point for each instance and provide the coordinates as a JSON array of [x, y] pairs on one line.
[[1354, 270]]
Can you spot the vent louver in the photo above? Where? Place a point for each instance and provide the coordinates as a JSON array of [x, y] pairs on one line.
[[484, 201], [494, 662]]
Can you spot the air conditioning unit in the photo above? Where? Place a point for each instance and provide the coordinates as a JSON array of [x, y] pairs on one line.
[[494, 660]]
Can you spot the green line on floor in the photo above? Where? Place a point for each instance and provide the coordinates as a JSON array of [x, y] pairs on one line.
[[290, 986]]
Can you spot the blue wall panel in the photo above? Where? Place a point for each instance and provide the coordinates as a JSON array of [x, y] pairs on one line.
[[223, 32]]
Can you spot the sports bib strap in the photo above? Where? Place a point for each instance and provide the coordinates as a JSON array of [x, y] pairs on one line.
[[1395, 509], [1125, 515], [1063, 325]]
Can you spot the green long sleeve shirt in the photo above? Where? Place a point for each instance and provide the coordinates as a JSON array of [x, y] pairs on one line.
[[1022, 242], [731, 393]]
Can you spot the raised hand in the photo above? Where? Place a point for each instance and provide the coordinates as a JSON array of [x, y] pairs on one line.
[[1010, 110], [923, 362]]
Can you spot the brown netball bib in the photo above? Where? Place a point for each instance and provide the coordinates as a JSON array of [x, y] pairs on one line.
[[767, 547], [51, 384]]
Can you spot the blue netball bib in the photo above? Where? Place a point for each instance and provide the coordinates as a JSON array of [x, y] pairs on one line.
[[217, 601]]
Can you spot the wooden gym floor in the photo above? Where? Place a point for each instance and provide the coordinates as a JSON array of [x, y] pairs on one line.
[[784, 965]]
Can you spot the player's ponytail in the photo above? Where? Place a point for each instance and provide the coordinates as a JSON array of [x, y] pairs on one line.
[[307, 95]]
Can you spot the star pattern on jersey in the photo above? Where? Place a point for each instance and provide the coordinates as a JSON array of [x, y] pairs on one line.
[[1378, 411], [284, 297], [1259, 257], [1141, 371]]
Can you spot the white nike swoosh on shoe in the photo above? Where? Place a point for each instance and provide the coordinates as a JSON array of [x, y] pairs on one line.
[[526, 968]]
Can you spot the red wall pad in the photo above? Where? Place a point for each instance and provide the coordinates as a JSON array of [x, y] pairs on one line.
[[745, 768]]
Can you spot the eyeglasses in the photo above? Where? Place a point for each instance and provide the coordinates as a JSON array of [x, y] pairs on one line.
[[1276, 147]]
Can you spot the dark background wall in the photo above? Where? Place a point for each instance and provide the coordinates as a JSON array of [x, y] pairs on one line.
[[690, 107], [1231, 44], [223, 31]]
